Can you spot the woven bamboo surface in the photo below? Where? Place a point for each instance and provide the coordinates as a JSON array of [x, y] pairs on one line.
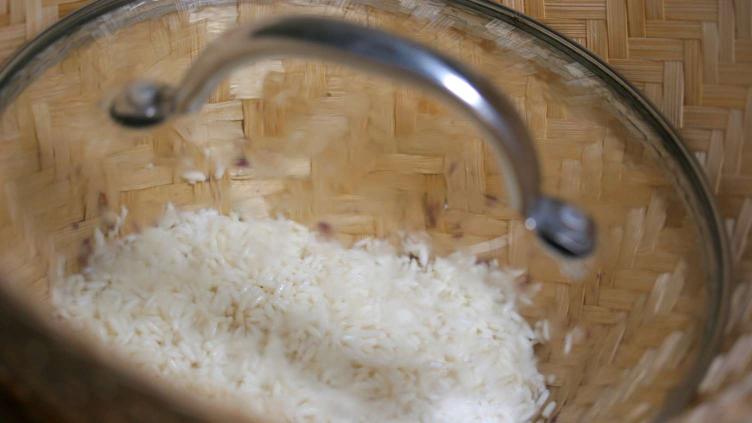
[[692, 58]]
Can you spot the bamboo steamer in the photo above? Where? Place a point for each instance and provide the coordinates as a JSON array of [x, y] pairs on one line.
[[371, 157]]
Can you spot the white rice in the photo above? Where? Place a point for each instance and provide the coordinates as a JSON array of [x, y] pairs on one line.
[[267, 312]]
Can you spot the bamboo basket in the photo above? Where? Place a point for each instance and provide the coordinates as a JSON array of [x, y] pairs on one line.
[[367, 156]]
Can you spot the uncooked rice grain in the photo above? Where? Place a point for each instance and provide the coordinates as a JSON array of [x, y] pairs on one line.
[[268, 312]]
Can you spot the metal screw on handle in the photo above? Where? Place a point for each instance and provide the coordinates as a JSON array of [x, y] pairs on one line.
[[563, 227]]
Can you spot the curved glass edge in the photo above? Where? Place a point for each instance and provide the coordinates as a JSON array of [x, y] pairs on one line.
[[704, 205], [710, 221]]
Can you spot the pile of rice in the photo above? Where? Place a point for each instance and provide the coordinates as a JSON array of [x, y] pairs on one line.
[[271, 313]]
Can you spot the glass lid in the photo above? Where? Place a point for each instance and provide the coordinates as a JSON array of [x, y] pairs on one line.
[[343, 210]]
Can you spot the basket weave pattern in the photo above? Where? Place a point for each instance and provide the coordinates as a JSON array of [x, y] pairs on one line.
[[692, 58]]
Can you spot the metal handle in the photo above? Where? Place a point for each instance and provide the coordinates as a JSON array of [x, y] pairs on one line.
[[561, 226]]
